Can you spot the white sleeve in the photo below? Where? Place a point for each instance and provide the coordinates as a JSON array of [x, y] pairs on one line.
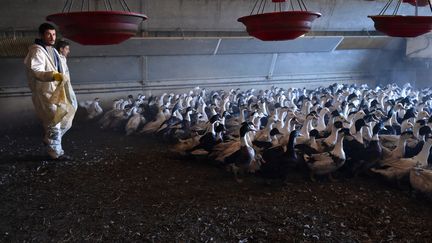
[[38, 66]]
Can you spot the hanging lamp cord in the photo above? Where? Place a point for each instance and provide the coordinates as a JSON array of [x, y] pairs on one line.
[[397, 7], [68, 5], [260, 5], [430, 5], [385, 7]]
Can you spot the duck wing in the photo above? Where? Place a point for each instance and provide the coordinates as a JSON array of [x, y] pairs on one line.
[[306, 149], [319, 158], [262, 144]]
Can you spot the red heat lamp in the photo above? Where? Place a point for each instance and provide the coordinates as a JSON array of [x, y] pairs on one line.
[[419, 3], [279, 25], [401, 25], [97, 27]]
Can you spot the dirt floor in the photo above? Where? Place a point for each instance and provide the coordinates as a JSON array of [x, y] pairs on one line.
[[126, 189]]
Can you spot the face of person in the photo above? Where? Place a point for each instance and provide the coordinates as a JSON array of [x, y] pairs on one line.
[[65, 51], [49, 37]]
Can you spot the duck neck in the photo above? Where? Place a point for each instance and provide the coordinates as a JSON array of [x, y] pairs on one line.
[[388, 122], [178, 115], [393, 118], [213, 129], [321, 121], [404, 125], [161, 99], [313, 143], [219, 136], [369, 131], [416, 130], [187, 118], [287, 124], [400, 149], [332, 139], [423, 156], [257, 122], [276, 113], [290, 146], [242, 115], [305, 127], [375, 137], [224, 106], [274, 140], [248, 139], [244, 141], [306, 108], [222, 120], [338, 149], [359, 135], [345, 111], [329, 125]]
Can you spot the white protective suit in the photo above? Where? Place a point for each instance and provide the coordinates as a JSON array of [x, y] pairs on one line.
[[54, 101]]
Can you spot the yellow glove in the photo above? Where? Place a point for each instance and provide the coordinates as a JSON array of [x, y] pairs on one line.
[[57, 76]]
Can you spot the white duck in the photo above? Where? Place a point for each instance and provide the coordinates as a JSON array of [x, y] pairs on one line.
[[397, 169], [134, 121], [93, 108]]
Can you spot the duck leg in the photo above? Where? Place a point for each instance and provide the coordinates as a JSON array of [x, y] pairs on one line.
[[331, 178], [235, 170], [312, 176]]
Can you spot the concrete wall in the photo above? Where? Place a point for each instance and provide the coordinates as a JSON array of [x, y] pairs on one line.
[[179, 65], [155, 65], [201, 15]]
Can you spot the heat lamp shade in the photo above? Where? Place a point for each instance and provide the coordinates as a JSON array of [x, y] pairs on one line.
[[279, 26], [402, 26], [98, 27]]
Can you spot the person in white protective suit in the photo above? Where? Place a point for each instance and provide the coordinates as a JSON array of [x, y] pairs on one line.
[[52, 94]]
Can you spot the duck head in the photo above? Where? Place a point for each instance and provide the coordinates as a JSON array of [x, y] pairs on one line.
[[359, 124], [425, 131], [244, 129], [338, 124], [226, 114], [295, 133], [214, 118], [378, 127], [407, 134], [344, 132], [314, 133]]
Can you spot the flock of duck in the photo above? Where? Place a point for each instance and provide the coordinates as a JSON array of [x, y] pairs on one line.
[[350, 129]]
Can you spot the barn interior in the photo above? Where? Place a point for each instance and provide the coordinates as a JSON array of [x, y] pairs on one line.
[[121, 187]]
